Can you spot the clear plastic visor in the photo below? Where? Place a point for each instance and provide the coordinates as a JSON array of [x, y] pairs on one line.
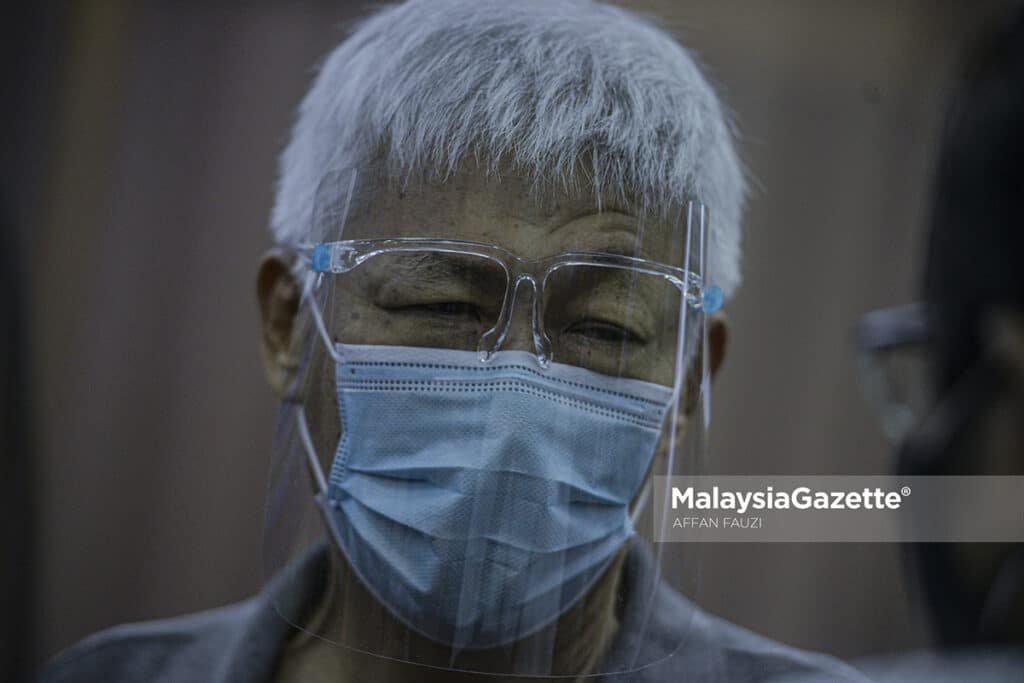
[[492, 374]]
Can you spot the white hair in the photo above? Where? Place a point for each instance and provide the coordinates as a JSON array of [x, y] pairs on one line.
[[557, 87]]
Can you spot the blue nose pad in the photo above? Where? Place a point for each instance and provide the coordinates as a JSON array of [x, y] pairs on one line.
[[522, 311]]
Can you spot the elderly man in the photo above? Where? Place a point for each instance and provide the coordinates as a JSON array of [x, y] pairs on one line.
[[504, 229]]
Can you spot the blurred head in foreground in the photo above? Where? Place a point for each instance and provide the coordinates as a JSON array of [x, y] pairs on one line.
[[954, 395]]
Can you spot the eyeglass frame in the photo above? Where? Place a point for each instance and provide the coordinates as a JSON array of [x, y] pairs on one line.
[[342, 256]]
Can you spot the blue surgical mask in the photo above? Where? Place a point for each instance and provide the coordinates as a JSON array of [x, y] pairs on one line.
[[479, 501]]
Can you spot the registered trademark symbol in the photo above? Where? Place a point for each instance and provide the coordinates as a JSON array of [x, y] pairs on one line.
[[905, 491]]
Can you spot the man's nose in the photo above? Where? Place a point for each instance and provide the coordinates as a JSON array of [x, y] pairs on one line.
[[520, 332]]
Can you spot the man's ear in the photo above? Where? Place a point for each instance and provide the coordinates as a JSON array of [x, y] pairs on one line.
[[718, 341], [278, 294]]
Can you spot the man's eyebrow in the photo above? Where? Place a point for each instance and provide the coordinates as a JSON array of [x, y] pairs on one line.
[[436, 265]]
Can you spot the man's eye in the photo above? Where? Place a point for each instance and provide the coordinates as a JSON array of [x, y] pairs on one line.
[[450, 309], [453, 308], [603, 331]]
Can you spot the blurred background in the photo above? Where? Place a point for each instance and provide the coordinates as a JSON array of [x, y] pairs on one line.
[[137, 182]]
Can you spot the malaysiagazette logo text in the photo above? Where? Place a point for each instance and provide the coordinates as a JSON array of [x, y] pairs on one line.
[[799, 498]]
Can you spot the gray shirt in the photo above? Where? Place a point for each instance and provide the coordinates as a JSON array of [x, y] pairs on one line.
[[242, 642], [981, 665]]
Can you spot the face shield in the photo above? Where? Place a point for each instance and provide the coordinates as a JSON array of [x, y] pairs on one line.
[[491, 374]]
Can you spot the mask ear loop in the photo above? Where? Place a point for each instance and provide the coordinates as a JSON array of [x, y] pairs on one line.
[[318, 319], [314, 280], [323, 504], [641, 502], [307, 445]]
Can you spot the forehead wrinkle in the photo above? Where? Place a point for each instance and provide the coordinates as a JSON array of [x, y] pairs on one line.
[[568, 209], [611, 232], [508, 212]]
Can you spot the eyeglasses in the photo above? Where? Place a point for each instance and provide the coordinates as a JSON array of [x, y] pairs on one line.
[[613, 313], [896, 356]]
